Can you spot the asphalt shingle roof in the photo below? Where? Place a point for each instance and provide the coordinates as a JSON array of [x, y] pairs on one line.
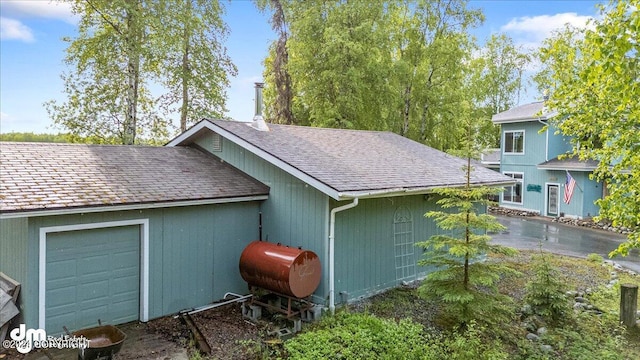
[[356, 160], [43, 176], [532, 111]]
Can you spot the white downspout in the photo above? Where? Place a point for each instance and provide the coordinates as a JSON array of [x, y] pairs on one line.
[[332, 235]]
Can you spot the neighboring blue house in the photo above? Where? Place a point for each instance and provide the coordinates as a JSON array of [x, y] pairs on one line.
[[530, 156]]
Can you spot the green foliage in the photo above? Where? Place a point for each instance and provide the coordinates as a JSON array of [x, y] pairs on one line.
[[593, 76], [190, 58], [400, 66], [473, 344], [31, 137], [546, 292], [122, 48], [360, 336], [596, 258], [495, 82], [363, 336], [590, 337]]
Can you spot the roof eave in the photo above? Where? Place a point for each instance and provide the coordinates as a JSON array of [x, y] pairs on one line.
[[565, 167], [543, 117], [124, 207], [372, 194]]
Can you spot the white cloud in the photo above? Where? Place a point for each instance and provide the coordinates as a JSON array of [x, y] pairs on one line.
[[529, 32], [11, 29], [38, 9]]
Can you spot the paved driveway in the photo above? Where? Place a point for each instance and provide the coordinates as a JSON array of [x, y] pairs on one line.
[[529, 233]]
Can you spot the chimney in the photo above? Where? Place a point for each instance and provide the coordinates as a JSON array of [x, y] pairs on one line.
[[258, 122]]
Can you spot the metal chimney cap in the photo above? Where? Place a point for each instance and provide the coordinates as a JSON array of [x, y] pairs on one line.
[[259, 124]]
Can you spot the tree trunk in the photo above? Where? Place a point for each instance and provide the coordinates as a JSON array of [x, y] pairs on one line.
[[282, 79], [133, 73], [406, 111], [184, 109]]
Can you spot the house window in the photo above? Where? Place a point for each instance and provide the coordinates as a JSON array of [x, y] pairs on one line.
[[514, 142], [513, 193]]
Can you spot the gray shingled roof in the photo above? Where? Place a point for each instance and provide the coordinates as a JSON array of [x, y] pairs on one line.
[[44, 176], [351, 161], [569, 163], [527, 112]]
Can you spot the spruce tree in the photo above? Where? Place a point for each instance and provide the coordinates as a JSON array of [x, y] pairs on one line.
[[463, 280]]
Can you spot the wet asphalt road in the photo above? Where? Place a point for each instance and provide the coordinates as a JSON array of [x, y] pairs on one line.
[[529, 233]]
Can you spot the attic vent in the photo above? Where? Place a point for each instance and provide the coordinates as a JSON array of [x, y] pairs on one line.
[[216, 143]]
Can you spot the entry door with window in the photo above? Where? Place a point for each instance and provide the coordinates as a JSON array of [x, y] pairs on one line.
[[553, 192]]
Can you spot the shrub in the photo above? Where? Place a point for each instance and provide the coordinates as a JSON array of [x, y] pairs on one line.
[[470, 345], [546, 292], [595, 258], [361, 336]]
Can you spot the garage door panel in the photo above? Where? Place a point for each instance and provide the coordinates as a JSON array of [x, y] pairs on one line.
[[61, 270], [93, 290], [61, 296], [92, 274]]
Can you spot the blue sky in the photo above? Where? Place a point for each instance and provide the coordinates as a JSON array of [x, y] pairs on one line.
[[32, 52]]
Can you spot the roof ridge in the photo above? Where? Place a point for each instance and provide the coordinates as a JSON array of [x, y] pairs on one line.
[[308, 127]]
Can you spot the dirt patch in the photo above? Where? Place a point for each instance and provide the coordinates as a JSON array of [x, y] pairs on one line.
[[228, 334]]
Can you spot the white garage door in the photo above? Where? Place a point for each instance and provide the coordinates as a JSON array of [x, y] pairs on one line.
[[90, 275]]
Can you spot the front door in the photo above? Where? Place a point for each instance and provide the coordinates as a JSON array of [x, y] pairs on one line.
[[552, 200]]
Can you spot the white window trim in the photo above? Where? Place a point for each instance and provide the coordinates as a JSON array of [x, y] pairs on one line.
[[521, 181], [546, 198], [504, 141], [144, 261]]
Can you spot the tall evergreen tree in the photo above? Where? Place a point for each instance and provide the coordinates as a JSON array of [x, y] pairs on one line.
[[462, 279]]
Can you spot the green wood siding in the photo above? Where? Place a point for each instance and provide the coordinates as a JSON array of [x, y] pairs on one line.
[[298, 215], [365, 244], [193, 252], [295, 214]]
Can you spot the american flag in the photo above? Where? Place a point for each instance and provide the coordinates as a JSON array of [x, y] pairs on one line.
[[569, 185]]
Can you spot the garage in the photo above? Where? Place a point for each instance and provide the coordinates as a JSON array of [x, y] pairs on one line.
[[121, 233], [92, 274]]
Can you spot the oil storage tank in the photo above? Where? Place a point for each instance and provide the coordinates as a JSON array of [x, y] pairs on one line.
[[281, 269]]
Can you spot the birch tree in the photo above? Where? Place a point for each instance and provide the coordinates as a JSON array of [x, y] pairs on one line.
[[192, 63], [123, 50], [495, 82]]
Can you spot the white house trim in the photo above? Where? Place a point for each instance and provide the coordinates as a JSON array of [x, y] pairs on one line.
[[166, 204], [546, 198], [524, 142], [144, 261]]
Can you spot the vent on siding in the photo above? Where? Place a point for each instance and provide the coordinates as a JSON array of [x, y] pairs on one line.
[[216, 143]]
